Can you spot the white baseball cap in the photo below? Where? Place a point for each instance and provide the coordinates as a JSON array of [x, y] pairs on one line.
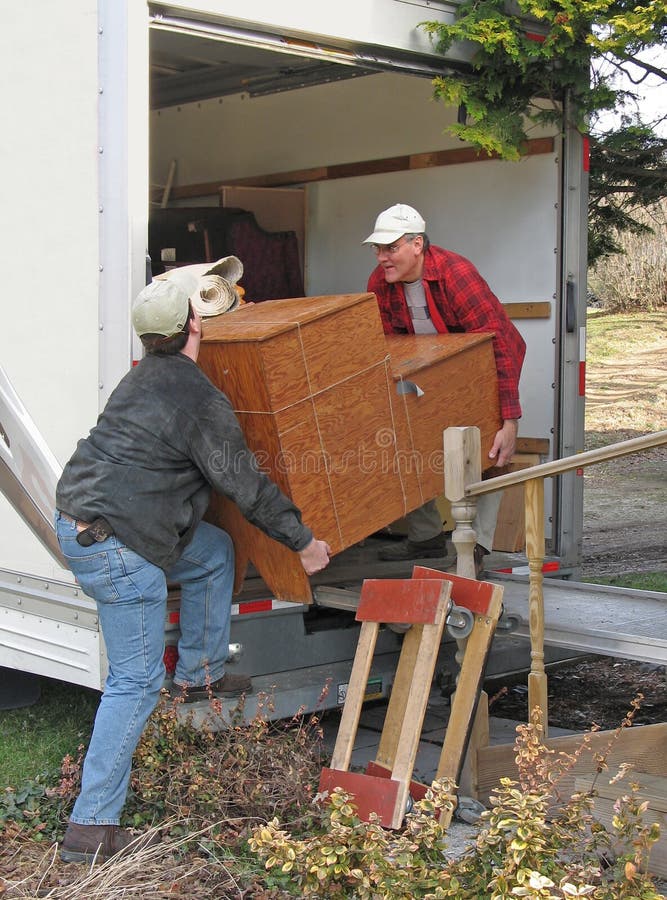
[[394, 222]]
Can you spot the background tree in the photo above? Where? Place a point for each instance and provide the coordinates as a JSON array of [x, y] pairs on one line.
[[533, 60]]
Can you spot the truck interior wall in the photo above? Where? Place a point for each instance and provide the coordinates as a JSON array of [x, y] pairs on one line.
[[49, 231], [501, 215]]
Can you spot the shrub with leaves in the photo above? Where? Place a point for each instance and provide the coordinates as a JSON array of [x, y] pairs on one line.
[[242, 773], [348, 857], [531, 843], [241, 819], [41, 809], [222, 780]]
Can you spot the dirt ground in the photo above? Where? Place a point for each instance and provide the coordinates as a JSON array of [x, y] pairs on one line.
[[625, 531], [625, 513], [625, 500]]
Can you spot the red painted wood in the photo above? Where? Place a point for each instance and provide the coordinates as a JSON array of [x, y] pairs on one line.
[[400, 600], [474, 595], [417, 788], [371, 795]]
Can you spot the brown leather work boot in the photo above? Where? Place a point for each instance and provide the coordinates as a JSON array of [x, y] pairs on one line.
[[228, 686], [85, 843]]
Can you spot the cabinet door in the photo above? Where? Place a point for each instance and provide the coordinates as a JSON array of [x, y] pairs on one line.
[[457, 390]]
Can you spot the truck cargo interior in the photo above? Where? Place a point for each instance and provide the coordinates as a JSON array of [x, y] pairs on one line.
[[264, 148]]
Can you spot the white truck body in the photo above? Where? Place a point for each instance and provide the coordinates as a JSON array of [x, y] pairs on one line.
[[83, 148]]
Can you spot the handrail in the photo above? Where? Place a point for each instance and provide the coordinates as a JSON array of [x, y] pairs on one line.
[[567, 463], [462, 461]]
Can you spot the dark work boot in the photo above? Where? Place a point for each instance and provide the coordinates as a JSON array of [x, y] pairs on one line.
[[433, 548], [85, 843], [227, 686]]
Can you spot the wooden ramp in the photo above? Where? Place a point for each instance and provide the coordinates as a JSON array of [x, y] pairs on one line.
[[594, 618]]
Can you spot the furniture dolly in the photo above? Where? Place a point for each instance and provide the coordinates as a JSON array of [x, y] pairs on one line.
[[427, 602]]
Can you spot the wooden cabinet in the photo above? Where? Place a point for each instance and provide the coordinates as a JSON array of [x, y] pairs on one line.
[[328, 405]]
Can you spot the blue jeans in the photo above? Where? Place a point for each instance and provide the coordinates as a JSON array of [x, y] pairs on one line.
[[131, 597]]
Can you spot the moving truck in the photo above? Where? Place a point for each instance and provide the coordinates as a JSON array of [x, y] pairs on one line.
[[122, 115]]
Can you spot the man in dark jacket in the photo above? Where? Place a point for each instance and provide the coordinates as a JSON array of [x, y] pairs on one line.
[[130, 505], [424, 289]]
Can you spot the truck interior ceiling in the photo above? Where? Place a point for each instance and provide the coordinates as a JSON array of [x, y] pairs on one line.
[[187, 67]]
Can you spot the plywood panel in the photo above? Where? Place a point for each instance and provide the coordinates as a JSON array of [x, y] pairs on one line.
[[651, 789], [644, 746], [354, 422], [339, 347], [305, 466], [457, 377], [279, 567], [232, 370], [407, 463]]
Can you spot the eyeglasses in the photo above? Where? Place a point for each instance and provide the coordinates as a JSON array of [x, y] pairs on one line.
[[390, 249]]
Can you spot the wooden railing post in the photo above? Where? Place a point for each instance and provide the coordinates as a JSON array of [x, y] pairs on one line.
[[537, 679], [463, 465]]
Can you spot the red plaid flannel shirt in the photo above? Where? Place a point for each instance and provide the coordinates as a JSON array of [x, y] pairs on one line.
[[465, 302]]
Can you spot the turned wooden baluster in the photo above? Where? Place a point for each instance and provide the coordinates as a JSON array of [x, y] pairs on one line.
[[537, 679], [463, 455], [462, 466]]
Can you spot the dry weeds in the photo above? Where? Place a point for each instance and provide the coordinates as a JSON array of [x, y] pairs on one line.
[[207, 789], [32, 870], [637, 278]]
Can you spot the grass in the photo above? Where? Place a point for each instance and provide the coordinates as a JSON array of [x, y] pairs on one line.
[[33, 740], [626, 365], [613, 334], [638, 581]]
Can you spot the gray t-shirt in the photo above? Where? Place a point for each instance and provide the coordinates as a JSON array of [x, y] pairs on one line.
[[415, 297]]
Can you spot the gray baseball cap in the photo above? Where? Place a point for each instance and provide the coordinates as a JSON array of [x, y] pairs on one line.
[[162, 307]]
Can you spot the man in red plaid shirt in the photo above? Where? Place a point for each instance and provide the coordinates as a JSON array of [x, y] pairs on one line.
[[424, 289]]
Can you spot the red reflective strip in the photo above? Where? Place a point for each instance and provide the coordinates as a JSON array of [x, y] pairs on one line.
[[582, 378], [135, 362], [174, 617], [546, 567], [586, 160], [251, 606], [540, 38], [579, 471]]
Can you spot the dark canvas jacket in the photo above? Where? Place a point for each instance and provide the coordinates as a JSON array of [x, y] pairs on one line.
[[165, 439]]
